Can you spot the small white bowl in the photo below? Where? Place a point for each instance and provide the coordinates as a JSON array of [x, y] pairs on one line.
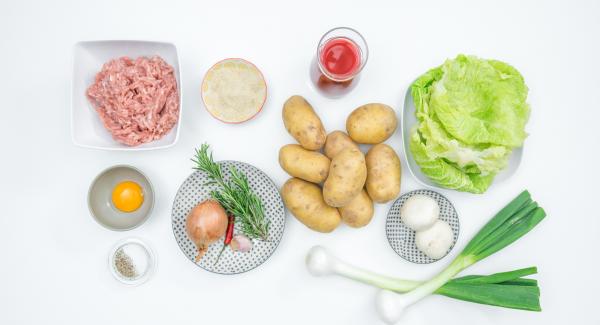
[[142, 257], [88, 57], [409, 120]]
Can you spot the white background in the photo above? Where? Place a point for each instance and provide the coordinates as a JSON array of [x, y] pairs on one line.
[[53, 255]]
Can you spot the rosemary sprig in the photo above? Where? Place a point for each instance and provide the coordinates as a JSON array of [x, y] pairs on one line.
[[235, 195]]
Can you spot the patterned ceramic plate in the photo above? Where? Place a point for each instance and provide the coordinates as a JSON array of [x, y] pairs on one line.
[[194, 191], [402, 238]]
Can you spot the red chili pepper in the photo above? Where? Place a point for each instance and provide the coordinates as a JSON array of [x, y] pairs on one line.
[[228, 235]]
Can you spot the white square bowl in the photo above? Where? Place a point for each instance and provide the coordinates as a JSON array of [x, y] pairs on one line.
[[89, 56], [409, 120]]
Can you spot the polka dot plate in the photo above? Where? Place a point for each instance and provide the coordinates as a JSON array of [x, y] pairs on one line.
[[195, 190], [402, 238]]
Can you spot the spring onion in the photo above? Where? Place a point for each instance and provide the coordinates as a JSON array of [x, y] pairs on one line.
[[507, 289], [511, 223]]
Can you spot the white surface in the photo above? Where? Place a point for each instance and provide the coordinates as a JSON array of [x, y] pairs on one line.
[[88, 58], [54, 268]]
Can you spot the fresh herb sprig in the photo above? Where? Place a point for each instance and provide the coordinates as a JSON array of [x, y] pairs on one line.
[[235, 195]]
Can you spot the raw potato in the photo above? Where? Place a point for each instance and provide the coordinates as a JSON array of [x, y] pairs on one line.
[[305, 202], [383, 173], [336, 141], [359, 212], [308, 165], [303, 124], [347, 176], [371, 123]]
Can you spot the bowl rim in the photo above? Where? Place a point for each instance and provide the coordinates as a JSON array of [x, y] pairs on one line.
[[262, 105], [72, 94], [102, 173]]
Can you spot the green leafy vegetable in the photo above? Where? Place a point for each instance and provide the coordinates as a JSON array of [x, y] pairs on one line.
[[507, 289], [471, 114]]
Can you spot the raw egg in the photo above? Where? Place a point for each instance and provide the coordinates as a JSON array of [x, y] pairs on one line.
[[127, 196]]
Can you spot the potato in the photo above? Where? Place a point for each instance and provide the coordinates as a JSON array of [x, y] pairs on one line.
[[383, 173], [359, 212], [336, 141], [305, 202], [347, 175], [371, 123], [303, 124], [308, 165]]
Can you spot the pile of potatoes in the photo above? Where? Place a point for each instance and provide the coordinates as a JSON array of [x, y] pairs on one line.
[[332, 180]]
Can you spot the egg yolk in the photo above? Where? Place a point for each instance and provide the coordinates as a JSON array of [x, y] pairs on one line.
[[127, 196]]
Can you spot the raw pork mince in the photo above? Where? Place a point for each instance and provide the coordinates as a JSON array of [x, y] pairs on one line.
[[137, 100]]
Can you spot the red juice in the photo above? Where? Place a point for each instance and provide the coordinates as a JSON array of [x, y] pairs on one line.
[[341, 54], [340, 58]]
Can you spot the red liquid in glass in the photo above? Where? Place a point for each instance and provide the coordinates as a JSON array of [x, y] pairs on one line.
[[340, 57]]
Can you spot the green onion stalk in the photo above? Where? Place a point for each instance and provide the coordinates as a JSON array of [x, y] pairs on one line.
[[506, 289]]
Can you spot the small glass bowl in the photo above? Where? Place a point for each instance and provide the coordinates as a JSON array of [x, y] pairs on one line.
[[141, 256]]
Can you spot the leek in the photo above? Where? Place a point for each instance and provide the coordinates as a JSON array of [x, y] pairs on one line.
[[507, 289]]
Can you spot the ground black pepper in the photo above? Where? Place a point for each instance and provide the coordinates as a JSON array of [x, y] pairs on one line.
[[124, 264]]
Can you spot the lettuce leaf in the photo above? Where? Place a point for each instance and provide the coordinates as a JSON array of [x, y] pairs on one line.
[[471, 114], [445, 173]]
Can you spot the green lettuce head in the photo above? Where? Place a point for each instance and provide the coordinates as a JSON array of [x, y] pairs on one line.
[[471, 114]]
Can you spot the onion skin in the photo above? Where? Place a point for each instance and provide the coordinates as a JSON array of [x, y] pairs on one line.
[[205, 224]]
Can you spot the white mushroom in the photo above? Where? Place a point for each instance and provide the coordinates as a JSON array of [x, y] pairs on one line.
[[419, 212], [436, 240]]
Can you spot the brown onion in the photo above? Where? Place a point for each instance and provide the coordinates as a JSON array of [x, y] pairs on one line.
[[206, 223]]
